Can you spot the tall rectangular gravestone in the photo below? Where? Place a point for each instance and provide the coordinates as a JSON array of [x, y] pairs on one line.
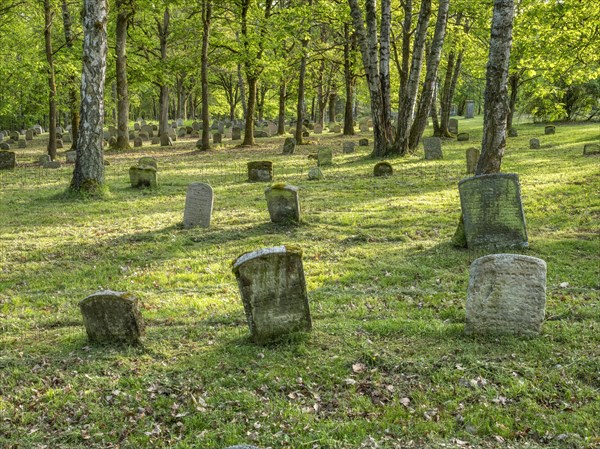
[[492, 211], [283, 203], [469, 109], [198, 205], [453, 126], [433, 148], [273, 290]]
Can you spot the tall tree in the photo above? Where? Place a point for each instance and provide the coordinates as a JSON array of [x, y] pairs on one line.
[[73, 78], [125, 12], [88, 175], [206, 18], [163, 120], [48, 16]]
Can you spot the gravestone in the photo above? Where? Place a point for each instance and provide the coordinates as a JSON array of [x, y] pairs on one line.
[[155, 140], [550, 129], [283, 203], [260, 133], [259, 171], [138, 142], [217, 138], [383, 169], [143, 136], [196, 126], [363, 143], [534, 144], [112, 142], [179, 122], [463, 137], [363, 127], [147, 161], [453, 125], [198, 205], [112, 317], [273, 290], [38, 129], [136, 126], [181, 132], [71, 156], [433, 148], [348, 147], [44, 158], [143, 177], [236, 133], [289, 145], [492, 211], [8, 160], [469, 109], [4, 146], [335, 128], [318, 129], [23, 143], [29, 134], [590, 149], [67, 138], [315, 174], [324, 157], [512, 132], [506, 295], [51, 164], [472, 158], [14, 135], [59, 144]]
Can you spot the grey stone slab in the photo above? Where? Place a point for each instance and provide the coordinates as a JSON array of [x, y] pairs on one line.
[[8, 160], [199, 202], [453, 125], [433, 148], [472, 158], [283, 203], [348, 147], [324, 157], [143, 177], [289, 145], [591, 149], [260, 171]]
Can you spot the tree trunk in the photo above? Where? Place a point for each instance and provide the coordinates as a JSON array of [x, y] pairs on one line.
[[88, 175], [73, 98], [281, 114], [163, 120], [437, 130], [124, 14], [251, 105], [433, 61], [206, 18], [349, 82], [242, 88], [300, 104], [48, 15], [513, 81]]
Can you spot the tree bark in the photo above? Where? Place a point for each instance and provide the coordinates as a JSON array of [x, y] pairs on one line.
[[124, 14], [251, 109], [206, 19], [300, 104], [48, 16], [281, 114], [349, 82], [428, 91], [513, 81], [163, 120], [88, 175], [73, 97], [242, 88]]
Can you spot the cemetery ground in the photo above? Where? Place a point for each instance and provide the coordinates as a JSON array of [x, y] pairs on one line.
[[387, 363]]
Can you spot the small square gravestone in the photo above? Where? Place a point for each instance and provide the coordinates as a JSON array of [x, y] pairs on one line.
[[506, 295], [472, 158], [590, 149], [8, 160], [324, 157], [236, 133], [260, 171], [273, 290], [383, 169], [71, 157], [463, 137], [363, 143], [550, 129], [22, 143], [145, 176], [348, 147], [29, 134], [112, 317], [315, 174], [433, 148], [138, 142], [283, 203], [289, 145], [198, 205], [453, 125], [492, 211], [534, 144]]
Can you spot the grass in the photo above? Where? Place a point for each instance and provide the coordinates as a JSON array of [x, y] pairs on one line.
[[387, 364]]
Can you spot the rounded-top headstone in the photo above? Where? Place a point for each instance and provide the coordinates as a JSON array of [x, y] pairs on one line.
[[283, 203], [348, 147], [315, 174], [550, 129], [289, 145], [8, 160], [147, 161], [383, 169], [463, 137], [363, 143], [198, 205], [534, 144], [506, 295]]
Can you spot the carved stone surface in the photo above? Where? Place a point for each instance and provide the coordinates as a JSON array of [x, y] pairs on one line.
[[492, 211], [260, 171], [198, 205], [273, 290], [506, 295], [112, 317], [383, 169], [472, 158], [283, 203], [433, 148]]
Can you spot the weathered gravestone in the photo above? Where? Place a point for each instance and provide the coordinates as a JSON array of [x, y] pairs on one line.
[[462, 137], [8, 160], [283, 203], [71, 156], [273, 290], [29, 134], [236, 133], [51, 164], [363, 127], [155, 140], [348, 147], [363, 143], [198, 205], [14, 135], [217, 138], [38, 129], [453, 125], [469, 109], [4, 146], [472, 158], [59, 144], [147, 161], [143, 136], [112, 317], [136, 126], [44, 158], [492, 211], [324, 157], [138, 142], [22, 143], [145, 176], [67, 138], [318, 129], [261, 133], [314, 174], [260, 171], [289, 145], [590, 149], [506, 295], [550, 129], [433, 148], [383, 169], [335, 128], [534, 144]]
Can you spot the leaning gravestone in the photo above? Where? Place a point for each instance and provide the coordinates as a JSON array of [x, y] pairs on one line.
[[324, 157], [198, 205], [283, 203], [383, 169], [59, 144], [492, 211], [273, 290], [112, 317], [462, 137], [534, 144], [506, 295], [433, 148], [472, 158], [260, 171], [590, 149], [289, 145], [453, 126], [550, 129], [348, 147], [8, 160], [145, 176]]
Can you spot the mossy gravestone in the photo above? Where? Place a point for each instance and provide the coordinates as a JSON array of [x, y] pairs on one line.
[[260, 171], [112, 317], [591, 149], [315, 174], [143, 176], [198, 205], [8, 160], [324, 157], [383, 169], [550, 129], [433, 148], [453, 126], [283, 203], [348, 147], [236, 133], [534, 144], [463, 137], [472, 158], [492, 211], [506, 295], [289, 145], [273, 290]]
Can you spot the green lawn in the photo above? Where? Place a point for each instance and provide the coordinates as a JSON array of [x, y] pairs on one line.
[[387, 364]]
